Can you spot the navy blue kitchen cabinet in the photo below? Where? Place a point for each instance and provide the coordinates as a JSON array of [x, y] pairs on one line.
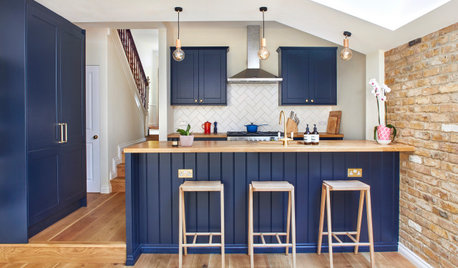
[[43, 165], [309, 75], [153, 186], [200, 79]]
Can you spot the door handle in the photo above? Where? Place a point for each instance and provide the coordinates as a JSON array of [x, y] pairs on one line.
[[95, 137], [61, 128], [66, 132]]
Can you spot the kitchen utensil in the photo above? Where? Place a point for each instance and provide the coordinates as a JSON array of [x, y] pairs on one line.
[[291, 115], [206, 127], [251, 128], [215, 127], [334, 128], [296, 119], [291, 126]]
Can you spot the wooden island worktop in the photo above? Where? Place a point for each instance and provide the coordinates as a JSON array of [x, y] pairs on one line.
[[267, 146], [152, 185]]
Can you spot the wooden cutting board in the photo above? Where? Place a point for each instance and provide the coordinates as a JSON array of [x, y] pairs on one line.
[[334, 122]]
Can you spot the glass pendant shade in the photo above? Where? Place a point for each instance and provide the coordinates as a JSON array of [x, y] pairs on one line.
[[346, 54], [178, 54], [263, 53]]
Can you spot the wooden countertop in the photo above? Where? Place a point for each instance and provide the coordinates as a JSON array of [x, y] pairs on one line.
[[250, 146], [200, 135], [224, 135]]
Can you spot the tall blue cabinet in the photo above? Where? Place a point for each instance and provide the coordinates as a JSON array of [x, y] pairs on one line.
[[43, 164], [309, 75], [200, 79]]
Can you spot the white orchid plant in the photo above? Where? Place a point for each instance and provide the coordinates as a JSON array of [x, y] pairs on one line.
[[379, 91]]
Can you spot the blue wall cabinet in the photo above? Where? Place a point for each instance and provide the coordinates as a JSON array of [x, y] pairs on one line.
[[42, 83], [200, 79], [309, 75]]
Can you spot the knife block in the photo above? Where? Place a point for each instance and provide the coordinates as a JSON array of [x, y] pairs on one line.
[[291, 126]]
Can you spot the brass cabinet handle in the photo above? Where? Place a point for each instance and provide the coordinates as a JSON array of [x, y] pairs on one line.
[[311, 100], [201, 100], [195, 100], [66, 132], [61, 128], [307, 100], [95, 137]]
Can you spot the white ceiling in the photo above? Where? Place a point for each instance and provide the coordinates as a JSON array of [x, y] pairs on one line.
[[305, 15], [390, 14]]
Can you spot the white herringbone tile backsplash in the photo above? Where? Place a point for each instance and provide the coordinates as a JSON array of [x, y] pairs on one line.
[[246, 103]]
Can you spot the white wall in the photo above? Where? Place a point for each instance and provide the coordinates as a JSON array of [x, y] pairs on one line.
[[375, 68], [350, 75], [121, 119]]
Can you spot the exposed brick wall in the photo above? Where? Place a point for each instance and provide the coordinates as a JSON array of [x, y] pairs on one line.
[[423, 105]]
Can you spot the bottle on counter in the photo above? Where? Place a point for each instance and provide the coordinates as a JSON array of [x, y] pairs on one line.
[[215, 127], [315, 136], [307, 136]]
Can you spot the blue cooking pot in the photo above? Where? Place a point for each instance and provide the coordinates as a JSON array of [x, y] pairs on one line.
[[252, 128]]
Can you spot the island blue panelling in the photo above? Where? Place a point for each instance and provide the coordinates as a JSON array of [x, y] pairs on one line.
[[152, 197]]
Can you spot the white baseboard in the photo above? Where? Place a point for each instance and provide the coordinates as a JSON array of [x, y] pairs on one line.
[[118, 159], [412, 257]]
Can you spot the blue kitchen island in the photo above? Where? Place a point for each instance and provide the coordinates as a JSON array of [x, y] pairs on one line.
[[152, 186]]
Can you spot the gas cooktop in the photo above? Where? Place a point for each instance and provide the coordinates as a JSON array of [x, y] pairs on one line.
[[259, 133]]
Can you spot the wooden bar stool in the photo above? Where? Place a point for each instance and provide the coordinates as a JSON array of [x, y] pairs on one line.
[[346, 185], [272, 186], [199, 186]]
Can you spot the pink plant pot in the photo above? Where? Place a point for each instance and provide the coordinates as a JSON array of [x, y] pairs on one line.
[[186, 141], [383, 134]]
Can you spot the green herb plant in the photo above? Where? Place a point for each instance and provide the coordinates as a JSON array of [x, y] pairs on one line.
[[185, 132]]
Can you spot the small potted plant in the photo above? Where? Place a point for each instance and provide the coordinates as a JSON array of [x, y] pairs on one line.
[[186, 139], [384, 131]]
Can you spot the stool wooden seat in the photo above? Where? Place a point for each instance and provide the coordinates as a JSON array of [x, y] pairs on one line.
[[199, 186], [346, 185], [272, 186]]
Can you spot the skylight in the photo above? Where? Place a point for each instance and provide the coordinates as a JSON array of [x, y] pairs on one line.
[[390, 14]]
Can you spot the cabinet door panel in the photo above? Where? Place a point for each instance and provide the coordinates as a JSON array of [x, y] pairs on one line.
[[323, 76], [295, 75], [72, 154], [212, 76], [41, 81], [72, 89], [42, 184], [184, 78], [72, 173]]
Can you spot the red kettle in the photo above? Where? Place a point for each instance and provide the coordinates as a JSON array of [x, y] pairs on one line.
[[206, 127]]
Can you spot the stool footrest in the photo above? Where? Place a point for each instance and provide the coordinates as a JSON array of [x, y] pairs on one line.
[[209, 244], [272, 245], [350, 244], [201, 245], [202, 234]]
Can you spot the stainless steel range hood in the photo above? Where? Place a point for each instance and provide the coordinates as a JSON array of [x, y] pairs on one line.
[[253, 74]]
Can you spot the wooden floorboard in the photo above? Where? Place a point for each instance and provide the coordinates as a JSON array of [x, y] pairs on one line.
[[103, 220], [94, 236], [383, 260]]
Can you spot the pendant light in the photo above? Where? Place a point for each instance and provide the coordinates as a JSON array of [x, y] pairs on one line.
[[263, 53], [346, 53], [178, 54]]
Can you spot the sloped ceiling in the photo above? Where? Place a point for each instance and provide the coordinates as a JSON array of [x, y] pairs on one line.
[[305, 15]]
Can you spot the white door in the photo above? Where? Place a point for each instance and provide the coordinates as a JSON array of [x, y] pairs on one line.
[[93, 129]]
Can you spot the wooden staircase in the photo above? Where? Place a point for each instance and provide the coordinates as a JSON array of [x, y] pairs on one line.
[[118, 184]]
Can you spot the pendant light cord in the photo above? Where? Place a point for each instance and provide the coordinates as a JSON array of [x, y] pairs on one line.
[[263, 24], [178, 24]]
